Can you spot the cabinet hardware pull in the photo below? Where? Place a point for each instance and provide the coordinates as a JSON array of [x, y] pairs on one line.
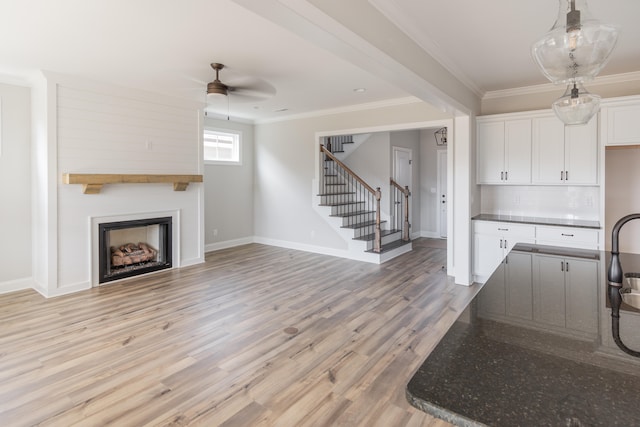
[[502, 176], [561, 266], [566, 175], [561, 176], [567, 266], [500, 243], [503, 229], [506, 176], [567, 235], [505, 243]]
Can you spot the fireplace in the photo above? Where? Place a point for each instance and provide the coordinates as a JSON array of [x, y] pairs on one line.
[[133, 247]]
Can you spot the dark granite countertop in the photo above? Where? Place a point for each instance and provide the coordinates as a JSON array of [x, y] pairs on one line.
[[509, 361], [578, 223]]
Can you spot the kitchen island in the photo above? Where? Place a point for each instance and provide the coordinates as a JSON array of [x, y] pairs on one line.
[[534, 348]]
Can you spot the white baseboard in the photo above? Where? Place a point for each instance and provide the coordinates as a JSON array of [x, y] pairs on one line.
[[192, 261], [430, 234], [16, 285], [228, 244]]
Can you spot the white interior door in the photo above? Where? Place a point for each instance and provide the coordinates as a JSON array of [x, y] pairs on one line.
[[402, 173], [442, 193]]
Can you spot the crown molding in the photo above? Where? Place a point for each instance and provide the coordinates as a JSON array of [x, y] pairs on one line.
[[550, 87]]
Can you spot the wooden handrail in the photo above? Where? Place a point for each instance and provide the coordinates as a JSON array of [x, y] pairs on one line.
[[404, 190], [346, 168]]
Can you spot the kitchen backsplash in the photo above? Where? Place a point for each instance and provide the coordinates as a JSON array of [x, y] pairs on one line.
[[542, 201]]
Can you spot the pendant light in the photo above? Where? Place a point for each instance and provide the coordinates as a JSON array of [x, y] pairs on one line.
[[574, 51], [576, 106]]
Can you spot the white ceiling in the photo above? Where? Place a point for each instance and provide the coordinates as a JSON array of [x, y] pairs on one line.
[[167, 45]]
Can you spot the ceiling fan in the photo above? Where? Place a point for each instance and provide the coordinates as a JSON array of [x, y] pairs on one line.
[[249, 89]]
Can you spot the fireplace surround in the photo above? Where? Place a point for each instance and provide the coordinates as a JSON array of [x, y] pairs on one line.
[[133, 247]]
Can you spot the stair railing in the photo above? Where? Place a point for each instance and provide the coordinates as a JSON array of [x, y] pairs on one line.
[[400, 200], [351, 196]]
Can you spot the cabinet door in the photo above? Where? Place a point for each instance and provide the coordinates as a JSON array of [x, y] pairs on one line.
[[581, 154], [548, 151], [487, 253], [519, 285], [581, 279], [549, 293], [517, 151], [490, 167], [622, 124]]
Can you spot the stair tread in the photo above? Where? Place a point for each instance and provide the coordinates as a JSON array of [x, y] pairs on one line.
[[383, 233], [340, 204], [337, 194], [347, 214], [361, 224], [392, 245]]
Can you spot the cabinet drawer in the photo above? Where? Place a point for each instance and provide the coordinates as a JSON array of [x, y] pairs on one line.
[[505, 229], [567, 236]]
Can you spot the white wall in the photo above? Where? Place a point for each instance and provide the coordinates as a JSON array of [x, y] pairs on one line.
[[106, 129], [228, 193], [286, 156], [15, 188]]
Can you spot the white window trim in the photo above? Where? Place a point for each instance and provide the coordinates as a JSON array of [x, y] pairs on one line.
[[240, 151]]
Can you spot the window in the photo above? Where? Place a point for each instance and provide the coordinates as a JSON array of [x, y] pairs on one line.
[[222, 147]]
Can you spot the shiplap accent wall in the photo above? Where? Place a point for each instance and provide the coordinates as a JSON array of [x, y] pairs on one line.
[[101, 129]]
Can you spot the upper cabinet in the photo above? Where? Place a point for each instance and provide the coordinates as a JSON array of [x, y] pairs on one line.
[[504, 152], [621, 122], [564, 155], [536, 148]]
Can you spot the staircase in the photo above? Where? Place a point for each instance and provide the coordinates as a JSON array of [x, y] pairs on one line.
[[353, 207]]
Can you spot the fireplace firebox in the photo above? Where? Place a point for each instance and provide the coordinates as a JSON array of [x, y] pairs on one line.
[[130, 248]]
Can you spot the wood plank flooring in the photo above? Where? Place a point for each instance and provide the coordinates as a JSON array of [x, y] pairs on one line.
[[206, 345]]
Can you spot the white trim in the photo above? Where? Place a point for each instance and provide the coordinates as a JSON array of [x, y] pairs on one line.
[[428, 235], [344, 109], [16, 285], [550, 87], [212, 247]]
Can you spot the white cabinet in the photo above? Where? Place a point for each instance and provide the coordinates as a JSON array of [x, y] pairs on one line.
[[622, 123], [565, 155], [504, 152], [571, 237], [493, 240], [565, 293]]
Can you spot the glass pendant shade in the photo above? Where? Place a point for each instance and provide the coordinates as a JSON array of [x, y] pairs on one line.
[[576, 106], [577, 47]]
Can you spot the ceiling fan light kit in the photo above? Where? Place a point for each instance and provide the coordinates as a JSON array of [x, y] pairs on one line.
[[574, 51], [216, 87]]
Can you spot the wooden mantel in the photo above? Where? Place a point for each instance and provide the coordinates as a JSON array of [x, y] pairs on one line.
[[92, 182]]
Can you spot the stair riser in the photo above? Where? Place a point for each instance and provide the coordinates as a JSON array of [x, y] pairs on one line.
[[385, 239], [363, 231], [356, 219], [337, 198], [341, 209]]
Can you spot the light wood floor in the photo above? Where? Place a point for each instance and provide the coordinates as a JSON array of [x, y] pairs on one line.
[[208, 345]]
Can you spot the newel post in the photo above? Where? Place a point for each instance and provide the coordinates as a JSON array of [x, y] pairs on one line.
[[377, 244], [405, 229]]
